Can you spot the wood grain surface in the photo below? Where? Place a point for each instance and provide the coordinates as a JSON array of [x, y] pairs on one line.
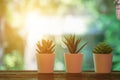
[[58, 75]]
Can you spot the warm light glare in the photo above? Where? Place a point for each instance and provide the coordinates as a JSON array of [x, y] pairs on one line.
[[17, 20], [39, 25]]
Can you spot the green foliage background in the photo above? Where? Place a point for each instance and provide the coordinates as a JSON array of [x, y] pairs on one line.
[[109, 27], [104, 20]]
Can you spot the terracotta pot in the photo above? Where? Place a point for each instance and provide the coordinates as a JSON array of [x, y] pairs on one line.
[[45, 62], [102, 63], [73, 62]]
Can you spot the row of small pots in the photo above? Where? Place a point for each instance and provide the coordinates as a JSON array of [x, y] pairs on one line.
[[73, 62]]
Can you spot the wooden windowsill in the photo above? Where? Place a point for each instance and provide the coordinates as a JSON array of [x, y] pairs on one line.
[[60, 75]]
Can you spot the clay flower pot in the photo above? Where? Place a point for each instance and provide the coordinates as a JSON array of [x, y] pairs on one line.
[[45, 62], [102, 63], [73, 62]]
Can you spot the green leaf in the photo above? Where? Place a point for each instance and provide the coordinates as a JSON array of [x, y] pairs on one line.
[[81, 47]]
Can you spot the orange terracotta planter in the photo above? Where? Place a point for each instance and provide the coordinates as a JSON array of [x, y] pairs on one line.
[[73, 62], [102, 63], [45, 62]]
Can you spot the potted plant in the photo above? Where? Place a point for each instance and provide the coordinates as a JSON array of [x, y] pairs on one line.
[[45, 56], [73, 60], [102, 58]]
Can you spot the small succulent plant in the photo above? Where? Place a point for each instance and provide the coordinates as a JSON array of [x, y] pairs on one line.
[[102, 48], [72, 44], [46, 46]]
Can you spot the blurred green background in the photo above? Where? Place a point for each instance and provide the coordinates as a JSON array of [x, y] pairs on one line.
[[103, 26]]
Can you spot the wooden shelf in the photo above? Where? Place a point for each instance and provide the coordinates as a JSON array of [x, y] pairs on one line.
[[58, 75]]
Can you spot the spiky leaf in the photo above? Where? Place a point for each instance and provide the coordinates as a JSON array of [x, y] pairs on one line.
[[72, 44], [46, 46], [81, 47]]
